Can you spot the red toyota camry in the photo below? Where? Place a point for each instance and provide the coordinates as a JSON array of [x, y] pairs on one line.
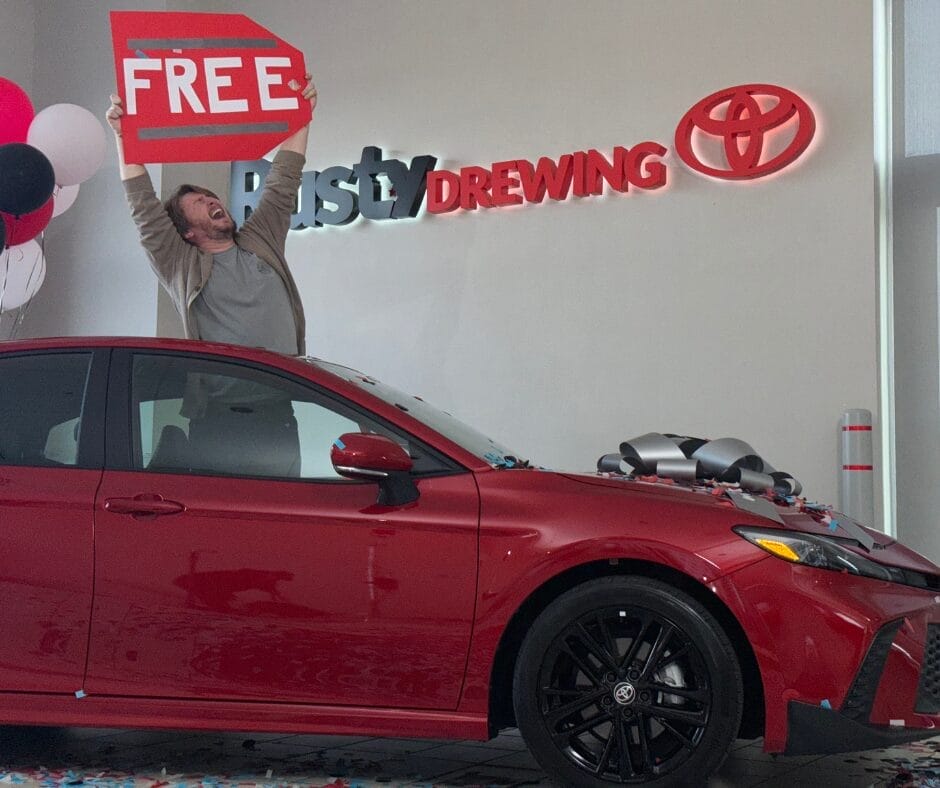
[[211, 537]]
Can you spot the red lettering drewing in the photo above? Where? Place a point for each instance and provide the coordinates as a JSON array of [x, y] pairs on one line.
[[546, 176], [204, 87]]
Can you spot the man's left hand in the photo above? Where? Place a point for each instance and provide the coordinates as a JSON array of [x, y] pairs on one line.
[[310, 92], [297, 141]]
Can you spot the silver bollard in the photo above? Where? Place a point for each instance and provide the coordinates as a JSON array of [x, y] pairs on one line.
[[857, 493]]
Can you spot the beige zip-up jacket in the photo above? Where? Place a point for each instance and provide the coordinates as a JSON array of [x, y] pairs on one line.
[[183, 269]]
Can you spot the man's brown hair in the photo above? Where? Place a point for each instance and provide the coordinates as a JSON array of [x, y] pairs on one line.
[[175, 212]]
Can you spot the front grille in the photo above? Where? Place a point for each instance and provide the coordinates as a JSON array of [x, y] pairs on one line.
[[928, 688], [861, 695]]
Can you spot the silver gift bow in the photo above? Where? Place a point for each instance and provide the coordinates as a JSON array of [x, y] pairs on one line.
[[686, 459], [731, 460]]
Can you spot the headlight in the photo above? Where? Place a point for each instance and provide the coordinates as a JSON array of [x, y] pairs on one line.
[[824, 553]]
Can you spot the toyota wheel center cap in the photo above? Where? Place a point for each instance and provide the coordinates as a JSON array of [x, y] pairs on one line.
[[624, 693]]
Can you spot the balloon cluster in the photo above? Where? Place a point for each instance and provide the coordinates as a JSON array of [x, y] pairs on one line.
[[43, 159]]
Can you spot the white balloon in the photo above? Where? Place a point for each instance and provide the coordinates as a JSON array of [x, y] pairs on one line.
[[72, 139], [64, 197], [22, 272]]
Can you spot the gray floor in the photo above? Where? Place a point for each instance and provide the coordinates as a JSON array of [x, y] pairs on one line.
[[146, 759]]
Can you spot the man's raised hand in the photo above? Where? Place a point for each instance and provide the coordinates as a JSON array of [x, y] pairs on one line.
[[114, 113]]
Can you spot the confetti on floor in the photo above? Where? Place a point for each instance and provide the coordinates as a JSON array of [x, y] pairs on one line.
[[49, 758], [54, 779]]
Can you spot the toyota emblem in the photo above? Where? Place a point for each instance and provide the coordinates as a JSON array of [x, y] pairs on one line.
[[735, 118], [624, 693]]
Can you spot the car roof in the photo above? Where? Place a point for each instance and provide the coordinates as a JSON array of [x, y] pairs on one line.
[[242, 352], [168, 343]]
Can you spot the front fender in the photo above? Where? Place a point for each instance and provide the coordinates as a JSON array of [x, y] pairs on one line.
[[510, 576], [535, 527]]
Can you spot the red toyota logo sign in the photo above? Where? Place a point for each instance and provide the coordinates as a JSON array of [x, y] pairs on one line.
[[743, 126]]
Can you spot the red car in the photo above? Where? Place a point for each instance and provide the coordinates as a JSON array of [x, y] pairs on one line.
[[213, 537]]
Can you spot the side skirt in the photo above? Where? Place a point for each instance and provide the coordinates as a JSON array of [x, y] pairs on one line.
[[104, 711]]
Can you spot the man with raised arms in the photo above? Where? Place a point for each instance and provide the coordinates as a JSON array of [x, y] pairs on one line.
[[229, 286]]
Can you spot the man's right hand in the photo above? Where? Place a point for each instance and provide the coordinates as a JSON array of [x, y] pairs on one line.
[[114, 113], [113, 116]]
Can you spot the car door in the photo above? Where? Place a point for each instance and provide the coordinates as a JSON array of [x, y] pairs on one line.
[[221, 577], [51, 455]]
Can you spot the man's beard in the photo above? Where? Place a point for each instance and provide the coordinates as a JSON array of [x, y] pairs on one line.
[[216, 233]]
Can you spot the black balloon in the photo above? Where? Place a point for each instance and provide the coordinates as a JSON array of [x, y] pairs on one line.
[[26, 178]]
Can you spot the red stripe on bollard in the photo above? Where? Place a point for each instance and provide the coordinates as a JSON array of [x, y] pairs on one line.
[[857, 460]]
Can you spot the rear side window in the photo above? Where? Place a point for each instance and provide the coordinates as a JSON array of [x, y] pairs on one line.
[[41, 402]]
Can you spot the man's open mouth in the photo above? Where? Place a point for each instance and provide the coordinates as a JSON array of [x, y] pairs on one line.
[[218, 213]]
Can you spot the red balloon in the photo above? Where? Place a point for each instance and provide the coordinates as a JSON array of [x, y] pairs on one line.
[[16, 112], [21, 229]]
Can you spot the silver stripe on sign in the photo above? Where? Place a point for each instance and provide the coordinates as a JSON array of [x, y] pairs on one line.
[[201, 43], [177, 132]]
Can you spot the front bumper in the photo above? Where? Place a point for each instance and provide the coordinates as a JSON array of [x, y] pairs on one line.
[[817, 730], [814, 730], [846, 662]]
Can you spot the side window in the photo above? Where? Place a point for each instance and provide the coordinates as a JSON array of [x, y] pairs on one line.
[[192, 415], [41, 401]]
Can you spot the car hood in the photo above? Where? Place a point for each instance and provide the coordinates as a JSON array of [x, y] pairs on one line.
[[886, 550]]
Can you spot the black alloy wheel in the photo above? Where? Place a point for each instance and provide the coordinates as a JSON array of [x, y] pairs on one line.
[[626, 680]]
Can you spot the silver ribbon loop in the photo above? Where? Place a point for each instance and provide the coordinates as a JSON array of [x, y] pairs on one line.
[[720, 456], [752, 481], [785, 484], [609, 463], [684, 470], [688, 445], [645, 452]]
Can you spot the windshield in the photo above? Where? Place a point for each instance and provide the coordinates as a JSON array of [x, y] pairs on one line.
[[438, 420]]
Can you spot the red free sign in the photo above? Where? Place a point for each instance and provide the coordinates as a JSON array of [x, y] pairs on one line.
[[204, 87]]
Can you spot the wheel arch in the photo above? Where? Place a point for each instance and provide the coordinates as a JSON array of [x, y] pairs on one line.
[[501, 712]]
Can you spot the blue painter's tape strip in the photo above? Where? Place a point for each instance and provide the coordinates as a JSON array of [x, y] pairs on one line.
[[140, 54], [498, 460], [833, 525], [826, 704], [80, 694], [339, 444]]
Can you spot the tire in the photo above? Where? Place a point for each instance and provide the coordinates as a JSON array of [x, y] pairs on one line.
[[628, 681]]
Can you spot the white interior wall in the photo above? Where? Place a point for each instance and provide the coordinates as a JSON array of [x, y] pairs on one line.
[[17, 41], [711, 308], [916, 267], [98, 280], [708, 308]]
